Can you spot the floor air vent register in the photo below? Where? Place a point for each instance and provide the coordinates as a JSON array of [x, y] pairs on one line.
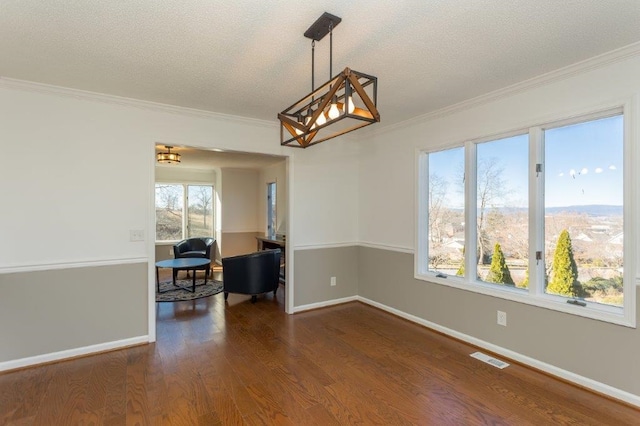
[[490, 360]]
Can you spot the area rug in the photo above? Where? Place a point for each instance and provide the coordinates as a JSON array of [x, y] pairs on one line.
[[178, 293]]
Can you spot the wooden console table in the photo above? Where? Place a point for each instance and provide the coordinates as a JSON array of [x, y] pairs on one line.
[[266, 243]]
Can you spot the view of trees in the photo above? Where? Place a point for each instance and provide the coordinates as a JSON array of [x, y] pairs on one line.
[[564, 280], [581, 193], [169, 211], [200, 211], [170, 206], [491, 190], [589, 267], [499, 271]]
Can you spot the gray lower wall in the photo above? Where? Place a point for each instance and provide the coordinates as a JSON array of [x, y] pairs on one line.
[[601, 351], [50, 311], [314, 269], [163, 251], [56, 310]]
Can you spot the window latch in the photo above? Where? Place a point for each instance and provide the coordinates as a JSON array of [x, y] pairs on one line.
[[576, 302], [538, 257], [538, 169]]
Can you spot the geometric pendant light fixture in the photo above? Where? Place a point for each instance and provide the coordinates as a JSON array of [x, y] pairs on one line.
[[168, 157], [347, 102]]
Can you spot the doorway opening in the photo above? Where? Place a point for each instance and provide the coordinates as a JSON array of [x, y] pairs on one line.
[[219, 195]]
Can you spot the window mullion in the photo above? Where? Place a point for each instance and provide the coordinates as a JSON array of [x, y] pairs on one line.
[[185, 207], [470, 212], [536, 211]]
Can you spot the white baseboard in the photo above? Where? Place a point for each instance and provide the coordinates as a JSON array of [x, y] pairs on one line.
[[71, 353], [310, 306], [523, 359]]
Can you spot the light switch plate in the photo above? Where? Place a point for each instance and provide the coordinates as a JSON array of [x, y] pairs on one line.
[[136, 235]]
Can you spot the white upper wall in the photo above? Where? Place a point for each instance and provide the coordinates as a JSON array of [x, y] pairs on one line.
[[239, 200], [180, 174], [324, 206], [387, 168], [81, 174]]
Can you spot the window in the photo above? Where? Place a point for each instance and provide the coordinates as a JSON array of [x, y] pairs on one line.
[[171, 203], [169, 212], [271, 209], [502, 203], [200, 219], [584, 211], [446, 211], [548, 204]]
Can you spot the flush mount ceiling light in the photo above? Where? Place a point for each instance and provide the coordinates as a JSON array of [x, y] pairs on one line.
[[168, 157], [341, 105]]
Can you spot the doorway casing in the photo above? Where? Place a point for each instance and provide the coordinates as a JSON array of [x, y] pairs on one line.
[[151, 284]]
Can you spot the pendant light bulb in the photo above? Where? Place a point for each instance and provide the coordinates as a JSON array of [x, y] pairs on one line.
[[308, 119], [321, 119], [334, 112], [350, 106]]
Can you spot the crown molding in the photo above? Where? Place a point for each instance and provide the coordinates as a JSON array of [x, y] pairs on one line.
[[30, 86], [595, 62], [581, 67]]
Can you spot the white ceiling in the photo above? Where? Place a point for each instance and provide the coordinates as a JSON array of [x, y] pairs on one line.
[[250, 58]]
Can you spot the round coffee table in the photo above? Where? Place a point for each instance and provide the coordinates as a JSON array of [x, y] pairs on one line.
[[184, 264]]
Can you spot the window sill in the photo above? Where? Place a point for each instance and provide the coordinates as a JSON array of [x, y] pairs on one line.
[[610, 314]]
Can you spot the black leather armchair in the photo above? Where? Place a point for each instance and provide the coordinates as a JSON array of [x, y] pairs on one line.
[[253, 274], [194, 247]]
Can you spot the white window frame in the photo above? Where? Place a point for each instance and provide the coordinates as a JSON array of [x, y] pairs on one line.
[[535, 295], [185, 208]]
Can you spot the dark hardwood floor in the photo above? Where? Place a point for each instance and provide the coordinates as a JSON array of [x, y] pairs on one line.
[[243, 363]]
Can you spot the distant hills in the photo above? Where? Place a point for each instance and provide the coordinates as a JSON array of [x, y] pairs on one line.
[[594, 210], [589, 210]]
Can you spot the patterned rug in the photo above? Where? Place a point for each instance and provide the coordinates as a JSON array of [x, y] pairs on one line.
[[174, 294]]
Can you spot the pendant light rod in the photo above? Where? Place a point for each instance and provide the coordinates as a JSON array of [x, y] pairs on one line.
[[330, 50], [313, 65]]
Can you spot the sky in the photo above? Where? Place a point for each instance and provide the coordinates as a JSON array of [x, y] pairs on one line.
[[583, 164]]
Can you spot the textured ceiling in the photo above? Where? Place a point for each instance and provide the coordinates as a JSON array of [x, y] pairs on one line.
[[249, 57]]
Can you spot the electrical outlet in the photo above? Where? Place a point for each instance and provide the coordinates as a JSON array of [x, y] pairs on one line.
[[333, 281], [502, 318]]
